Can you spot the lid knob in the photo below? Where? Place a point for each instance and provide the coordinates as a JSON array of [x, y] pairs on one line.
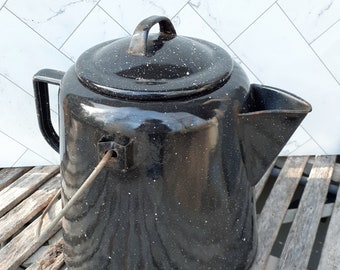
[[138, 43]]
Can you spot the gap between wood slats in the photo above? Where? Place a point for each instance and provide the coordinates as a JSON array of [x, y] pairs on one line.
[[9, 175], [261, 184], [25, 243], [330, 258], [16, 218], [24, 186], [300, 240], [275, 208]]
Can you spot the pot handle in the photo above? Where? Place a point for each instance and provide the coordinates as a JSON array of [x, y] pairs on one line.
[[138, 43], [40, 84]]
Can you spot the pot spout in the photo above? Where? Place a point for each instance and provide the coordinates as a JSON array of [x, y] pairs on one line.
[[268, 118]]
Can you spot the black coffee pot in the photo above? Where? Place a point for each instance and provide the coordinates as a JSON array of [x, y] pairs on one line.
[[191, 137]]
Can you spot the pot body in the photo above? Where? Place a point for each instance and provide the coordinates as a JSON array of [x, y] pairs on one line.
[[176, 198]]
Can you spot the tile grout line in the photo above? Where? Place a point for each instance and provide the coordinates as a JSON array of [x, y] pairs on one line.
[[76, 28], [22, 89], [4, 4], [260, 81], [321, 61], [108, 14], [258, 17], [312, 138], [25, 146], [187, 3], [13, 164], [46, 40], [297, 148], [324, 32], [225, 42], [193, 8], [8, 79]]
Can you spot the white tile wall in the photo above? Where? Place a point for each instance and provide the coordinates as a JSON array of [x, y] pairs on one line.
[[328, 49], [87, 34], [312, 17], [289, 44], [279, 56], [53, 20]]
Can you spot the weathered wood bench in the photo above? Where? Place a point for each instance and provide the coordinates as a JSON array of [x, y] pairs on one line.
[[297, 193]]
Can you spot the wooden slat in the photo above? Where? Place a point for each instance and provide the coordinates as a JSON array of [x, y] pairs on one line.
[[260, 185], [330, 256], [51, 259], [336, 171], [25, 243], [276, 206], [13, 220], [300, 240], [271, 218], [9, 175], [24, 186]]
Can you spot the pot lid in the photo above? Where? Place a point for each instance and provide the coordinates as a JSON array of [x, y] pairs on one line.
[[154, 66]]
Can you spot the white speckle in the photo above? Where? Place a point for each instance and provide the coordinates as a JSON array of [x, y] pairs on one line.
[[109, 257], [243, 239], [206, 221], [188, 73], [129, 193]]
